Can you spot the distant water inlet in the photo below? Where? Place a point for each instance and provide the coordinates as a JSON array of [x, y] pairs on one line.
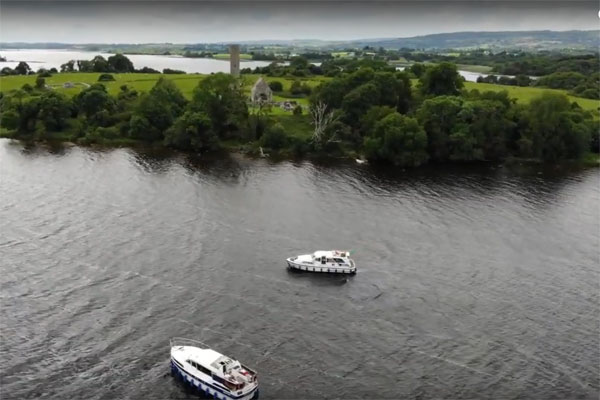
[[55, 58], [473, 282]]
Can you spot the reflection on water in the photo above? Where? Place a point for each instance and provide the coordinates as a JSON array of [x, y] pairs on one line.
[[473, 281]]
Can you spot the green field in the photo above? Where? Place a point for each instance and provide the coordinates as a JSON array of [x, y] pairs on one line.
[[525, 94], [144, 82], [225, 56], [140, 82], [187, 83]]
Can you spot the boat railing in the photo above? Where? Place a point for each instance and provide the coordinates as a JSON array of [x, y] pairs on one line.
[[180, 341]]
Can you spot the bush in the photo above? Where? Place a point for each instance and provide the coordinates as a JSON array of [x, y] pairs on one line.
[[7, 71], [172, 71], [44, 73], [276, 86], [298, 88], [274, 138], [40, 83], [27, 88], [147, 70], [590, 94], [298, 110], [99, 134], [9, 119], [105, 78]]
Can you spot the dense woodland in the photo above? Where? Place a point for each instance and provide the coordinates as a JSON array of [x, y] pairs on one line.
[[366, 108]]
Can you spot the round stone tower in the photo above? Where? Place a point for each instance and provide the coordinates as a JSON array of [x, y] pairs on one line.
[[234, 59]]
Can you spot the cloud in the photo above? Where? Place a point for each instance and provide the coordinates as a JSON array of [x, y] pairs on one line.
[[203, 21]]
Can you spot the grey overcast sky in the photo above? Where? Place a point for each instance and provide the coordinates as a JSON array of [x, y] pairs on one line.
[[204, 21]]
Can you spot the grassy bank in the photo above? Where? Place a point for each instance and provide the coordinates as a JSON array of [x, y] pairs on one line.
[[142, 82], [187, 82], [526, 94]]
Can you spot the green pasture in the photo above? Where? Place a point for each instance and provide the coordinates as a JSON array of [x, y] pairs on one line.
[[144, 82], [187, 82], [527, 93]]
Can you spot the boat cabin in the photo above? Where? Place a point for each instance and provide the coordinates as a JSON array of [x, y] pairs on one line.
[[334, 257], [222, 369]]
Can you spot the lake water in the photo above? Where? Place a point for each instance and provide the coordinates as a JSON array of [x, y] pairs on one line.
[[472, 283], [472, 76], [55, 58], [42, 58]]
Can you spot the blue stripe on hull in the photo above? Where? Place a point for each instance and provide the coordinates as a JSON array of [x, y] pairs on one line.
[[210, 390], [310, 268]]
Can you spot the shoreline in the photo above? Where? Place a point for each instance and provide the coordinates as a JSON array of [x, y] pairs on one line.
[[252, 150]]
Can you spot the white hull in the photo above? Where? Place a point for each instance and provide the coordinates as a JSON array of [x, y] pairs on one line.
[[321, 268]]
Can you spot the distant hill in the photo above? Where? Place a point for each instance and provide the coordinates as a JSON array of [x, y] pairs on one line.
[[526, 40], [532, 40]]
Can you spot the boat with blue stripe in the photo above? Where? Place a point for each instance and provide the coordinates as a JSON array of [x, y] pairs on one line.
[[211, 372]]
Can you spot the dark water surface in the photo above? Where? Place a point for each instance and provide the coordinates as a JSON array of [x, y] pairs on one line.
[[472, 283]]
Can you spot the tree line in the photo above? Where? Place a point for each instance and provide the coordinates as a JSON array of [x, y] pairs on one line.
[[378, 113], [117, 63]]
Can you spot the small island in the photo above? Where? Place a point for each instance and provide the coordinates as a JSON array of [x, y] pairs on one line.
[[356, 108]]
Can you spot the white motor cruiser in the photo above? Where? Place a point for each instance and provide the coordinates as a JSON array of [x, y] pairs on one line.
[[211, 372], [332, 261]]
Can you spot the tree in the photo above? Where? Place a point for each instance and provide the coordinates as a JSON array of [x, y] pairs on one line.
[[120, 63], [276, 86], [439, 116], [358, 101], [27, 111], [523, 80], [299, 63], [398, 139], [69, 66], [418, 69], [7, 71], [147, 70], [9, 119], [274, 137], [140, 128], [93, 100], [40, 83], [557, 130], [321, 119], [296, 87], [85, 66], [191, 131], [22, 68], [55, 108], [371, 117], [221, 97], [99, 64], [403, 92], [44, 73], [443, 79]]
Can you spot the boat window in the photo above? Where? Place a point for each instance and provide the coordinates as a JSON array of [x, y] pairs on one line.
[[203, 369], [338, 260], [199, 367], [323, 260], [217, 378]]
